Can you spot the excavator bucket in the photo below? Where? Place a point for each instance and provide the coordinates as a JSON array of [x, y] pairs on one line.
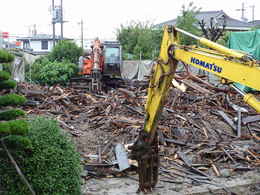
[[147, 157]]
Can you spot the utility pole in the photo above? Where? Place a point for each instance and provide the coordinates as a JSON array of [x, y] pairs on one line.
[[61, 22], [243, 9], [53, 23], [253, 12], [81, 27]]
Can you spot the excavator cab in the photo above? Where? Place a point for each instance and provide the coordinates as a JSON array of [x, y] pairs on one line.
[[113, 59], [99, 67]]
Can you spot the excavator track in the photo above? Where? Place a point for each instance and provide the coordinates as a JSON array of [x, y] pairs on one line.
[[85, 83], [81, 82]]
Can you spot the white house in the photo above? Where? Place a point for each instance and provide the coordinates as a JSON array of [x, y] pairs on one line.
[[39, 43]]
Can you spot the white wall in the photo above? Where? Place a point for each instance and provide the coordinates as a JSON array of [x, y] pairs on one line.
[[37, 45]]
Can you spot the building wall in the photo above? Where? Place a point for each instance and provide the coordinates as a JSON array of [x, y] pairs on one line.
[[37, 46]]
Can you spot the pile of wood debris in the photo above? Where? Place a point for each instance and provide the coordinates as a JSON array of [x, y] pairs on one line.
[[201, 132]]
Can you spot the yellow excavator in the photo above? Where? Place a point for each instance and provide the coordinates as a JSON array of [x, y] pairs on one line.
[[230, 65]]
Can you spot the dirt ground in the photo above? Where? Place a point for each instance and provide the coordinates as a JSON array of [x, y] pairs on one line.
[[245, 184]]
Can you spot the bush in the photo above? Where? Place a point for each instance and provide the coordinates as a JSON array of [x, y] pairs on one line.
[[4, 75], [18, 127], [11, 114], [7, 84], [33, 74], [51, 166], [53, 72], [5, 56], [65, 51], [12, 100]]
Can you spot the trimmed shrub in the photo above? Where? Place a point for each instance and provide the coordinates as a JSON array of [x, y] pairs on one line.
[[7, 67], [12, 99], [4, 75], [11, 114], [7, 84], [18, 142], [18, 127], [5, 56], [51, 166]]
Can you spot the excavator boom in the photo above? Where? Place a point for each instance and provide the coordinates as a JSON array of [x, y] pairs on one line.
[[231, 65]]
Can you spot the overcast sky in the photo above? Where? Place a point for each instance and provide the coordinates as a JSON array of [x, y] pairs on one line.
[[102, 17]]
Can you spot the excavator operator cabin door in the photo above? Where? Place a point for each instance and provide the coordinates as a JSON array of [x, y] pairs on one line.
[[113, 58]]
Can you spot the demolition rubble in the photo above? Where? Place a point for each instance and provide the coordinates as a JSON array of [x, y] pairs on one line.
[[204, 133]]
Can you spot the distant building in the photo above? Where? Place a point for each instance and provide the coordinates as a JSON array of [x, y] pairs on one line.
[[38, 44], [255, 23], [231, 23]]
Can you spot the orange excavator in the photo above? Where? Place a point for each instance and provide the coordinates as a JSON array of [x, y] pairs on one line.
[[100, 66]]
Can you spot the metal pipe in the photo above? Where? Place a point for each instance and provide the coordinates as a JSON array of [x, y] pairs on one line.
[[238, 90], [61, 22], [214, 45], [53, 23], [187, 33]]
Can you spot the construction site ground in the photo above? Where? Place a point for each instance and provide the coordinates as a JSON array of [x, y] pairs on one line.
[[200, 152]]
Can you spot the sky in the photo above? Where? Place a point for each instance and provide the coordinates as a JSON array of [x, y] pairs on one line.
[[101, 18]]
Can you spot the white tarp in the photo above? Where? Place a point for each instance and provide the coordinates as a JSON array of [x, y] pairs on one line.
[[18, 69], [136, 70]]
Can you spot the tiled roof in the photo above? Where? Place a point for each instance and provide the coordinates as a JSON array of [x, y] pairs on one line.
[[255, 22], [41, 37], [231, 23]]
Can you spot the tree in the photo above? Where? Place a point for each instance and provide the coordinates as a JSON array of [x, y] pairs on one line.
[[65, 51], [12, 131], [139, 40], [213, 31], [36, 157], [58, 66], [187, 22], [6, 84], [51, 73]]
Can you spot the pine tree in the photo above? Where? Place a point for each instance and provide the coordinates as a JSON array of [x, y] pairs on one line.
[[9, 124]]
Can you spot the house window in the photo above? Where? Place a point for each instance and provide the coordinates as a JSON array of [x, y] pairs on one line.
[[44, 45]]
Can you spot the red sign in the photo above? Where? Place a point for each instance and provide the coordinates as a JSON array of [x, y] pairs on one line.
[[5, 35], [18, 43]]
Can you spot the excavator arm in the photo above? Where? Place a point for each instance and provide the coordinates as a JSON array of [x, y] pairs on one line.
[[228, 64]]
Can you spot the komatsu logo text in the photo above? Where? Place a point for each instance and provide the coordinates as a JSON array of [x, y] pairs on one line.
[[212, 67]]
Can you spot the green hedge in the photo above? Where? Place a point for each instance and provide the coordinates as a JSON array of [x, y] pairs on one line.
[[51, 166], [7, 84], [12, 100], [11, 114]]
